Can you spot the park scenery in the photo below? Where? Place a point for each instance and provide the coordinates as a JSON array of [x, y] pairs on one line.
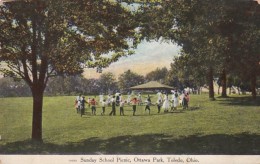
[[117, 77]]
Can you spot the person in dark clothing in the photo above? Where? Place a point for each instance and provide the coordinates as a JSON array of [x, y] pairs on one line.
[[148, 104], [82, 110], [103, 105], [113, 112], [186, 101], [159, 104], [118, 100]]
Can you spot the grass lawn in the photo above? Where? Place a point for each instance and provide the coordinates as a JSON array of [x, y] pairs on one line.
[[225, 126]]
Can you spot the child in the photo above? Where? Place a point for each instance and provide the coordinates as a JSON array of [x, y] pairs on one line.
[[175, 102], [134, 102], [186, 101], [166, 103], [181, 99], [78, 103], [113, 112], [89, 100], [159, 104], [82, 106], [101, 97], [139, 99], [118, 99], [122, 102], [129, 99], [108, 100], [103, 104], [93, 104], [148, 103]]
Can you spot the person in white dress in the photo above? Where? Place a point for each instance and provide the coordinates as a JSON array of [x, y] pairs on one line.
[[166, 103], [109, 100], [139, 98], [120, 97], [129, 99], [103, 105], [159, 97], [78, 102], [175, 101], [181, 99], [101, 98]]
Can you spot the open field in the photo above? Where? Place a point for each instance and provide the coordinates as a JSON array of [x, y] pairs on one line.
[[225, 126]]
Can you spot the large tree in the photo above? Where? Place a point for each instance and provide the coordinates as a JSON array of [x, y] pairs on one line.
[[107, 83], [182, 74], [209, 32], [44, 38]]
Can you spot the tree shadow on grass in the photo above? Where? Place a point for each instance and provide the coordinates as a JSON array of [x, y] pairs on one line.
[[221, 144], [241, 101]]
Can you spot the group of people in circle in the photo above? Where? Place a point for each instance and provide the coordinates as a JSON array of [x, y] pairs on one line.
[[164, 102]]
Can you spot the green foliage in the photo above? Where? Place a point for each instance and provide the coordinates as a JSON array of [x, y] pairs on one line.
[[107, 83], [11, 88], [214, 35], [182, 73], [129, 79], [159, 74], [46, 38]]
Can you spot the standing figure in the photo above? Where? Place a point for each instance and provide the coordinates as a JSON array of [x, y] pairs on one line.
[[159, 97], [101, 97], [134, 103], [89, 100], [175, 102], [159, 104], [129, 99], [78, 103], [172, 100], [186, 100], [122, 102], [93, 104], [82, 106], [118, 99], [103, 105], [148, 104], [166, 103], [181, 99], [113, 102], [109, 100], [139, 99]]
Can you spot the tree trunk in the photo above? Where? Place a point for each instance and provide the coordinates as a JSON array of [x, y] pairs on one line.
[[253, 85], [211, 85], [224, 83], [37, 114]]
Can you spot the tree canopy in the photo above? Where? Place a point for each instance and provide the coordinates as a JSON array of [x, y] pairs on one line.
[[216, 36], [44, 38], [129, 79]]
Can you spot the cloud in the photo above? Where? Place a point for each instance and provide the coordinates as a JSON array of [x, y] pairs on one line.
[[148, 57]]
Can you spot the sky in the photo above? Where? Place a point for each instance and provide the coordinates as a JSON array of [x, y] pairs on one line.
[[148, 56]]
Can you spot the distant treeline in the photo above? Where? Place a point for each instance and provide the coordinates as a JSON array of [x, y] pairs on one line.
[[107, 83]]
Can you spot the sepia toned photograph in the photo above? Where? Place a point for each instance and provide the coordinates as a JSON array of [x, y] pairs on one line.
[[130, 81]]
